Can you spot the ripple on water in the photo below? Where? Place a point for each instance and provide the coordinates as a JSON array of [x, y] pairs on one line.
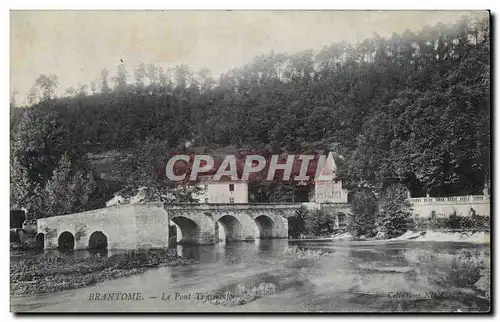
[[352, 278]]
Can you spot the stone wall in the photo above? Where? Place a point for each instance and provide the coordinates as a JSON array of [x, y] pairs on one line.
[[423, 207], [125, 227]]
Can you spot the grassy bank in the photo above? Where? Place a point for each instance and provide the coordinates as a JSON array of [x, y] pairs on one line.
[[470, 236], [51, 274]]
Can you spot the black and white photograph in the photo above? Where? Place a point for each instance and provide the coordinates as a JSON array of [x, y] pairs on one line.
[[250, 161]]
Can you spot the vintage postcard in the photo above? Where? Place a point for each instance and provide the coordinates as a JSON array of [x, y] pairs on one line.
[[250, 161]]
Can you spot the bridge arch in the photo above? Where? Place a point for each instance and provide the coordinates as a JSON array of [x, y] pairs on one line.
[[270, 224], [66, 241], [241, 224], [229, 228], [98, 241], [265, 225], [189, 231]]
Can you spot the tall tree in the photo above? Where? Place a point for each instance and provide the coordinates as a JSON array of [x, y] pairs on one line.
[[364, 213], [68, 190], [33, 95], [140, 75], [121, 77], [47, 85], [152, 74], [206, 80], [105, 89], [395, 212], [93, 87]]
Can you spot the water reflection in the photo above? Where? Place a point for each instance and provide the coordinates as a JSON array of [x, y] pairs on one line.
[[355, 276]]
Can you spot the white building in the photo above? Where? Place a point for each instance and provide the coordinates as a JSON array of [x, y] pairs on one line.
[[329, 191], [222, 191]]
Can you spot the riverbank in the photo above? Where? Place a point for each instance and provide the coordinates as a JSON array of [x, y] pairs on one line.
[[479, 237], [239, 277], [51, 274]]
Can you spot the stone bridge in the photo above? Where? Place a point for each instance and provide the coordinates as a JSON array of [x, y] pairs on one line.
[[207, 223], [156, 225]]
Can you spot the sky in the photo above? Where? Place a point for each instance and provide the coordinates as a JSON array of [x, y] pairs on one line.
[[77, 45]]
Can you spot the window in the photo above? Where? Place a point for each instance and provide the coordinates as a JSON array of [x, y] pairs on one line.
[[231, 200], [206, 200], [231, 187]]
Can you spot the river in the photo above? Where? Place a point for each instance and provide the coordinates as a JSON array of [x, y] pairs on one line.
[[354, 277]]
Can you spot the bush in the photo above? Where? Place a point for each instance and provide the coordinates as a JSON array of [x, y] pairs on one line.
[[319, 223], [434, 221], [364, 211], [469, 266], [484, 282], [453, 221], [394, 215], [473, 222]]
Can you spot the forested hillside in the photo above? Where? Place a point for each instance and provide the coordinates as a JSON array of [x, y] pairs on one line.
[[412, 109]]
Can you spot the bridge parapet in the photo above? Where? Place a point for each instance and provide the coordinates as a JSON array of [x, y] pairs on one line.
[[285, 209], [462, 205], [236, 206], [454, 200]]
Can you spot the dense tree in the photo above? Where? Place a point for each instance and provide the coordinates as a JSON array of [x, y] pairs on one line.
[[319, 223], [394, 213], [413, 108], [38, 143], [68, 190], [364, 213]]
